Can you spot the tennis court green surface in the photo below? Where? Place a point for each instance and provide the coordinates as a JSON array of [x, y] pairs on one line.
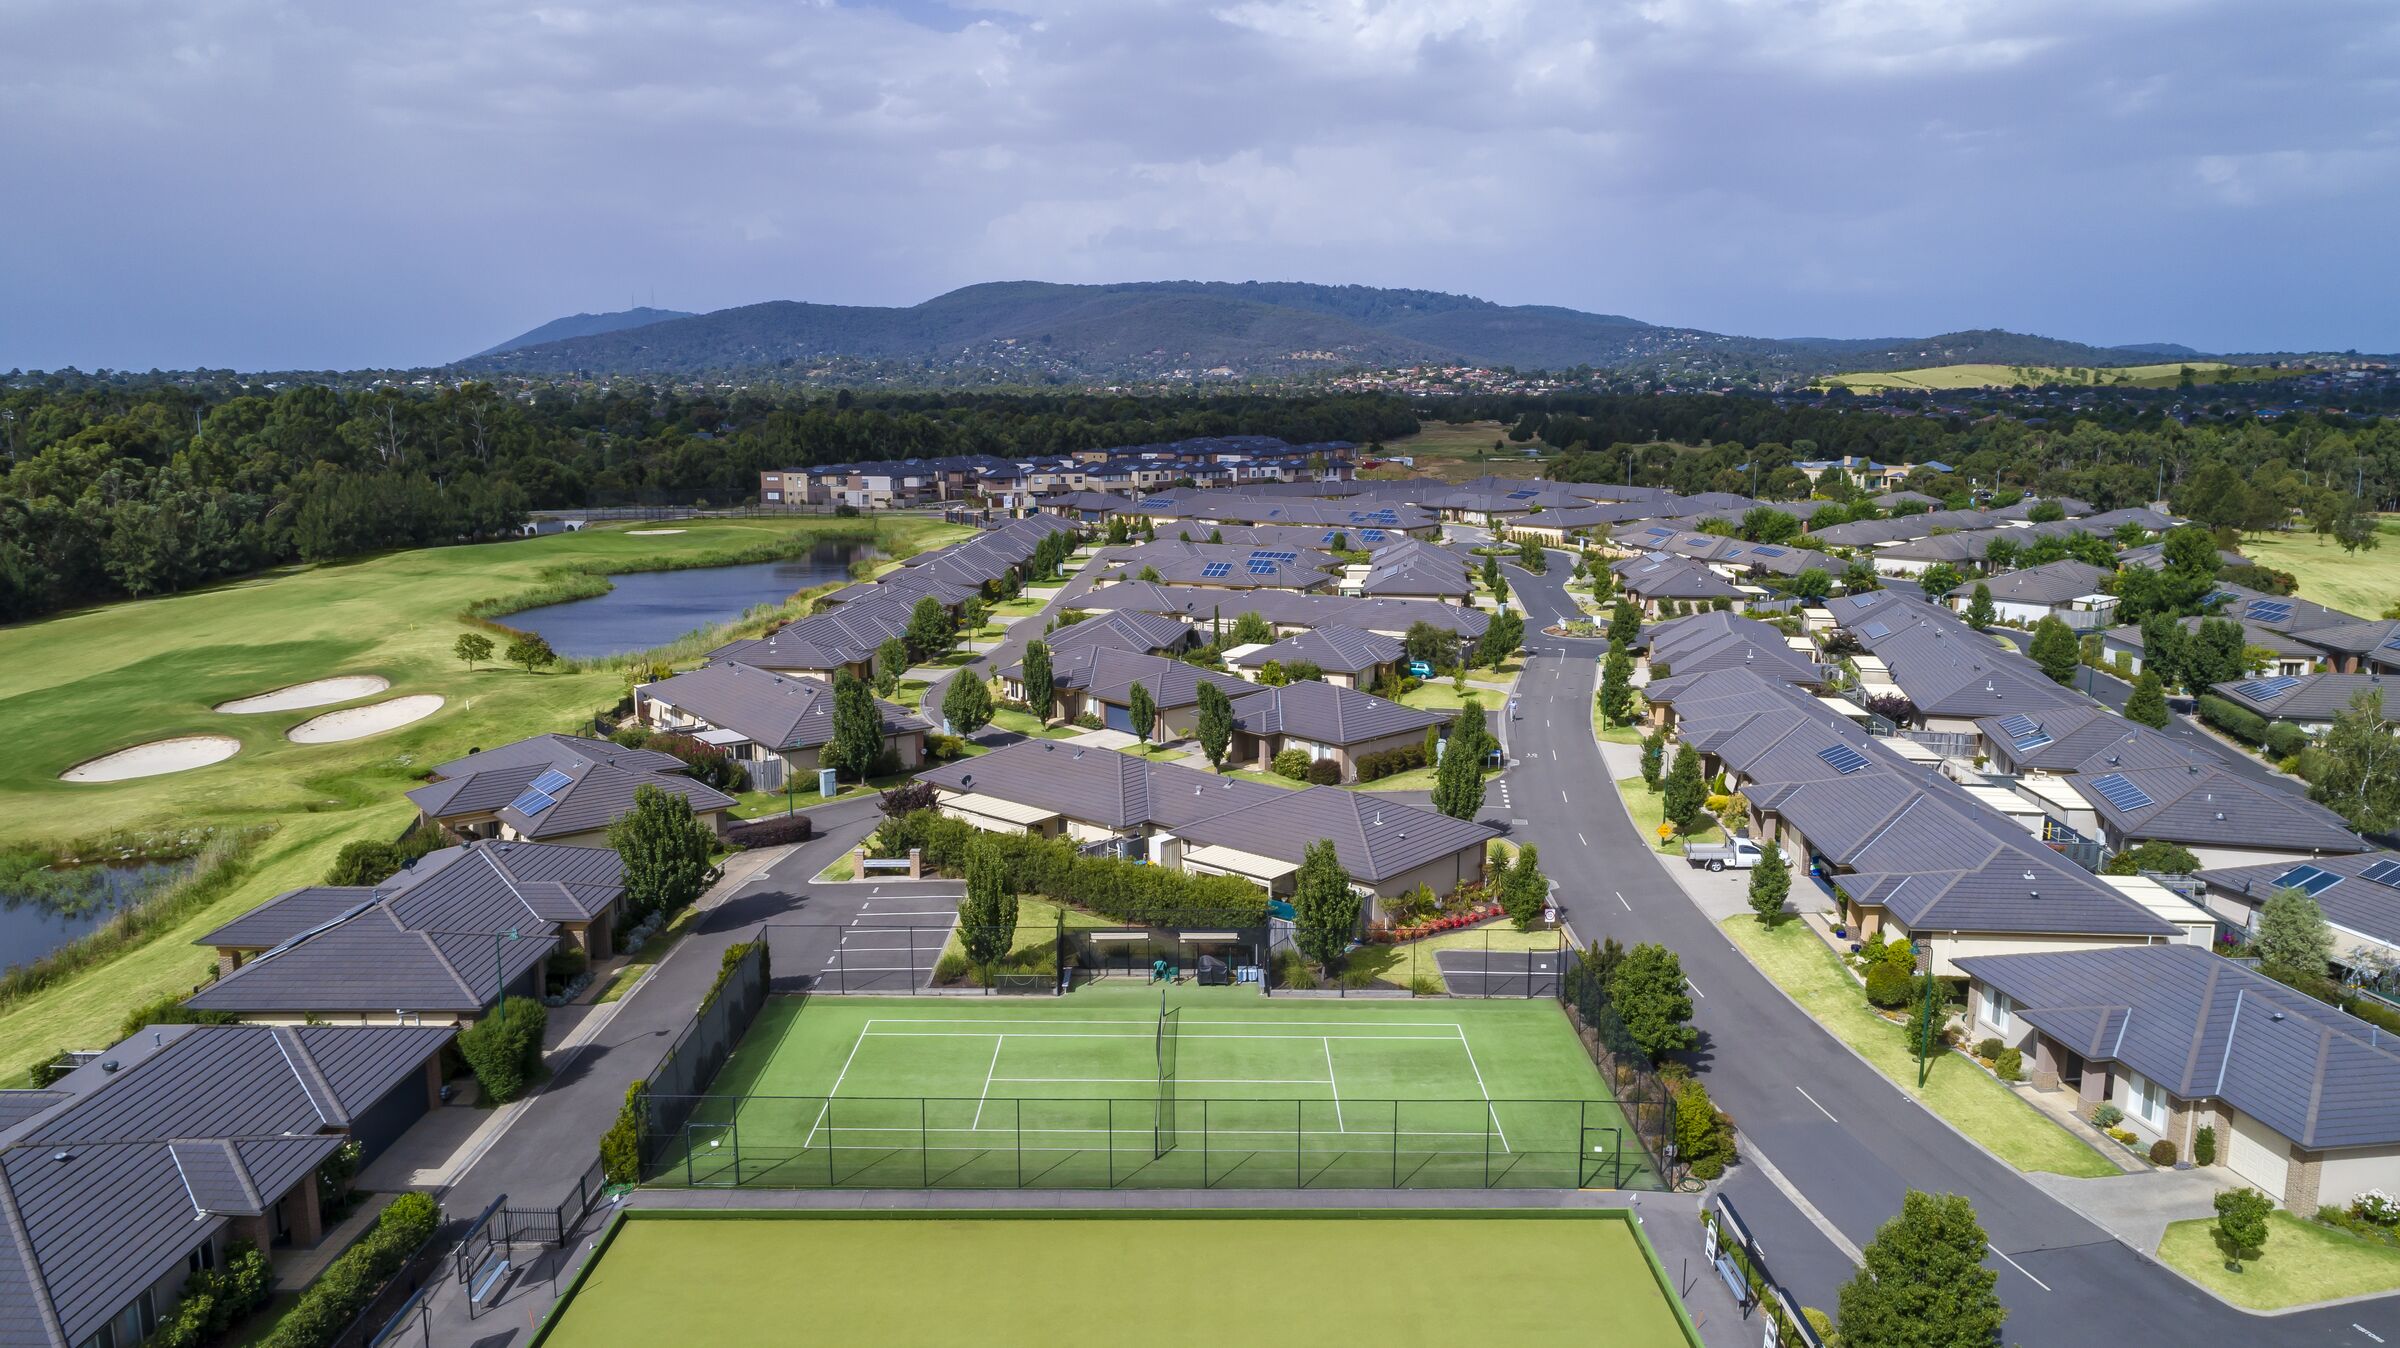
[[1205, 1088], [1070, 1279]]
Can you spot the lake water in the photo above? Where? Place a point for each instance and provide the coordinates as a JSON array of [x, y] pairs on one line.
[[32, 924], [652, 608]]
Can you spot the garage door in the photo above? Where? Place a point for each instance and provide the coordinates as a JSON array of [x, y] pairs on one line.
[[2260, 1155], [1118, 718]]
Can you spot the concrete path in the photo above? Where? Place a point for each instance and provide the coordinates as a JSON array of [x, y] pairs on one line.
[[2136, 1208]]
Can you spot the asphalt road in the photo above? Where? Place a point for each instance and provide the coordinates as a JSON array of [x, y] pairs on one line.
[[1848, 1140]]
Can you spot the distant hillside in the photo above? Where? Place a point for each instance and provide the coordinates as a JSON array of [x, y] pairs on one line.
[[1037, 332], [585, 325], [1990, 375]]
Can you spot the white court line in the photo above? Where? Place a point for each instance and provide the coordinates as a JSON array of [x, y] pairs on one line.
[[1621, 899], [1487, 1091], [1813, 1100], [1562, 793], [999, 1042], [1331, 1080], [912, 912], [1151, 1080], [963, 1034], [850, 968], [829, 1094], [1153, 1021], [2015, 1265]]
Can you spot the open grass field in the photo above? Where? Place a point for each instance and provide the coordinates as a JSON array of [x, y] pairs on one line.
[[85, 683], [1098, 1089], [2304, 1262], [2364, 583], [1053, 1278], [1458, 453], [1957, 1090], [2164, 375]]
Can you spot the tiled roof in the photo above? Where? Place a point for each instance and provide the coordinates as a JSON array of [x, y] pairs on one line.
[[1314, 710], [1341, 650], [769, 709], [2370, 908]]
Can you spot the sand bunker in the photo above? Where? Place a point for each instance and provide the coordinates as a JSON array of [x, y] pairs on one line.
[[352, 723], [647, 533], [155, 758], [313, 694]]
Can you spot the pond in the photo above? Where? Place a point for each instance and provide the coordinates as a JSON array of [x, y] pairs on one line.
[[652, 608], [43, 910]]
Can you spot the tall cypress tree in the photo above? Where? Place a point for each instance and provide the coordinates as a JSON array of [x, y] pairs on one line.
[[1215, 728], [1039, 689], [2148, 705], [987, 920], [857, 729], [1324, 907], [1143, 710], [1458, 784]]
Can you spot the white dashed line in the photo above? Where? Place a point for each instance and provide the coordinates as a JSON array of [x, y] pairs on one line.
[[1580, 838], [2022, 1269], [2353, 1324], [1621, 899], [1829, 1114]]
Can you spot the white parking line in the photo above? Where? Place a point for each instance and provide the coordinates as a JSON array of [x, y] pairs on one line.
[[1820, 1108], [1621, 899], [2021, 1268]]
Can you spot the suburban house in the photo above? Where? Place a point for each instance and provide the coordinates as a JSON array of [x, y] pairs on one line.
[[1100, 679], [1324, 722], [1414, 570], [141, 1167], [2224, 818], [2359, 895], [2067, 590], [1222, 566], [1657, 579], [2299, 1094], [1732, 558], [1288, 612], [1125, 630], [1709, 641], [1572, 526], [1953, 675], [1197, 821], [1344, 656], [2309, 701], [556, 789], [767, 722], [2291, 655], [841, 640], [2369, 645]]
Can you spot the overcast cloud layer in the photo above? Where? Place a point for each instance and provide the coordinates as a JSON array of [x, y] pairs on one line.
[[285, 185]]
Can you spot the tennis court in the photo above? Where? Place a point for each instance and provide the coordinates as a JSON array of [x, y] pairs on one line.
[[1193, 1088], [1172, 1278]]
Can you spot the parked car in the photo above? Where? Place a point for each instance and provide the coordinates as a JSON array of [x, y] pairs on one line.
[[1740, 854]]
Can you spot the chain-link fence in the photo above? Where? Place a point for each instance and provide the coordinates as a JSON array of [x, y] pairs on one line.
[[697, 1054], [1647, 1105]]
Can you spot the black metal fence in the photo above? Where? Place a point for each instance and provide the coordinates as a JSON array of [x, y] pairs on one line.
[[1648, 1106], [1734, 1253], [552, 1225], [693, 1060]]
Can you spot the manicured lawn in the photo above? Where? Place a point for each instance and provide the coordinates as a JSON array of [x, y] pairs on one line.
[[1037, 926], [1025, 723], [911, 693], [1415, 779], [2364, 583], [1438, 695], [1023, 606], [1620, 734], [2303, 1262], [86, 683], [1649, 810], [1028, 1279], [1400, 965], [843, 867], [1957, 1090]]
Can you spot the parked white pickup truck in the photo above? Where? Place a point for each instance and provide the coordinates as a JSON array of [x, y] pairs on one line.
[[1740, 854]]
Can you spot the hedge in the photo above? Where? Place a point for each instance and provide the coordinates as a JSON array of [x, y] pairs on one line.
[[773, 831], [1121, 890], [505, 1052], [621, 1145], [1390, 763], [2240, 722], [2285, 740], [350, 1282]]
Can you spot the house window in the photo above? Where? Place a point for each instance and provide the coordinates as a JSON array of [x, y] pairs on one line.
[[1999, 1010], [2145, 1100]]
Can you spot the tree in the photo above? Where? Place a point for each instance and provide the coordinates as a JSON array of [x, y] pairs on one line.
[[2148, 705], [1531, 557], [987, 919], [971, 615], [2054, 649], [472, 647], [967, 706], [2216, 653], [665, 851], [1526, 891], [2358, 776], [1215, 727], [2046, 512], [1501, 639], [1458, 782], [1143, 711], [928, 633], [1250, 629], [2241, 1231], [530, 650], [1432, 645], [891, 661], [1038, 687], [1770, 885], [1653, 1000], [1273, 675], [2292, 936], [1980, 613], [1654, 757], [1492, 579], [857, 729], [1940, 579], [1766, 524], [2157, 854], [1624, 625], [1923, 1283], [2000, 555], [1686, 793], [1324, 906], [1616, 689], [1150, 574]]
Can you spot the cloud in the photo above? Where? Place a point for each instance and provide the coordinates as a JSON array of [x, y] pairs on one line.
[[255, 184]]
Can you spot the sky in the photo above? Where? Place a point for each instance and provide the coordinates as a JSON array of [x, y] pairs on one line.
[[266, 184]]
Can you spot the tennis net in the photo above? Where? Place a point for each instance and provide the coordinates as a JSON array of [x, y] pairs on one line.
[[1163, 1134]]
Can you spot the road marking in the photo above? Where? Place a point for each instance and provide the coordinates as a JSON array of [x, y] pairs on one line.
[[2353, 1324], [1823, 1110], [2022, 1269], [1694, 987], [1621, 899], [1562, 791], [1580, 838]]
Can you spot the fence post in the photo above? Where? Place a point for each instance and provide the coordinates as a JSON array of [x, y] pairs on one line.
[[1020, 1119], [924, 1161], [1395, 1144], [1109, 1139], [1487, 1145], [830, 1134], [1296, 1180], [1205, 1183]]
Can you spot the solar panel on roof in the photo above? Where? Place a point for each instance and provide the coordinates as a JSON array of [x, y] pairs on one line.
[[1260, 568], [530, 802], [2262, 689], [1155, 502], [1877, 630], [2117, 791], [551, 782], [2309, 880], [2393, 644], [2385, 872], [2218, 598], [1522, 495], [1216, 569], [2261, 611], [2024, 731], [1371, 535], [1327, 540], [1843, 759], [1765, 551]]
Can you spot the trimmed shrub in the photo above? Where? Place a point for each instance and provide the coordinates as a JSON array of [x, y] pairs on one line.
[[2240, 722], [2285, 740], [1888, 985], [504, 1056], [1292, 763], [2204, 1145], [2107, 1116], [621, 1145], [1987, 1049], [772, 831], [348, 1283], [168, 1010], [950, 968], [708, 763], [1141, 895], [2009, 1064], [2162, 1152], [1324, 772]]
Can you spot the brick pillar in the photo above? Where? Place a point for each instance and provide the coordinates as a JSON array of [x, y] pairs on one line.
[[2094, 1092], [858, 863], [916, 863], [2303, 1180], [257, 1230], [601, 935], [2045, 1063], [302, 1215], [228, 961]]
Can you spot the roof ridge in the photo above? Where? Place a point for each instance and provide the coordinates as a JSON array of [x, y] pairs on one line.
[[312, 1081], [441, 959], [241, 1171], [12, 1221]]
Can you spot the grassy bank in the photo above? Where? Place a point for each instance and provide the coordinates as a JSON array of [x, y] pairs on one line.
[[79, 685], [2363, 583]]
